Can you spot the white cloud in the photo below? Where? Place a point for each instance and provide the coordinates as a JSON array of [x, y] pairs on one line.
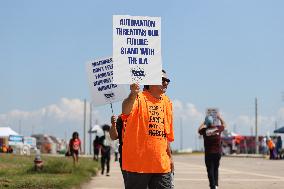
[[186, 122], [186, 111], [65, 110], [67, 113], [245, 125]]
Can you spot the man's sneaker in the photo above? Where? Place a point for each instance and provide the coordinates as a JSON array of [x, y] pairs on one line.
[[107, 175]]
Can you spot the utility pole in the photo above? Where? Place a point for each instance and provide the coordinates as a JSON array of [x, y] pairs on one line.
[[256, 129], [90, 134], [84, 132], [181, 134]]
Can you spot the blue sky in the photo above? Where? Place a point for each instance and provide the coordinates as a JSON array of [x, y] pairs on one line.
[[217, 53]]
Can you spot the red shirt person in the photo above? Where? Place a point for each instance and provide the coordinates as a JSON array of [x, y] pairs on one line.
[[212, 144], [75, 147]]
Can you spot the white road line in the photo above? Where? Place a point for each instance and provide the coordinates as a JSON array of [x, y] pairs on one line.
[[189, 165], [198, 172], [228, 180], [253, 174], [232, 171]]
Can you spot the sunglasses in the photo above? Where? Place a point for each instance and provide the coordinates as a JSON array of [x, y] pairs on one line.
[[166, 80]]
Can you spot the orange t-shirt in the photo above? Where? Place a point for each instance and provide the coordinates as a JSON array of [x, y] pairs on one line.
[[270, 144], [149, 129]]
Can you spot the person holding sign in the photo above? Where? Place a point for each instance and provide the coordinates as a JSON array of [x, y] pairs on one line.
[[117, 132], [149, 131], [212, 144]]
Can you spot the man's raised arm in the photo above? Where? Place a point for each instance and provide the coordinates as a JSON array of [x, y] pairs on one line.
[[127, 104]]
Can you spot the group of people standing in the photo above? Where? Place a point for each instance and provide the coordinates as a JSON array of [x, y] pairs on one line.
[[274, 147]]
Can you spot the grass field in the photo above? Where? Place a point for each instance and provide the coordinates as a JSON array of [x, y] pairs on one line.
[[17, 172]]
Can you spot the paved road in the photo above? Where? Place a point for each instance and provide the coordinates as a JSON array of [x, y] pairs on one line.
[[235, 173]]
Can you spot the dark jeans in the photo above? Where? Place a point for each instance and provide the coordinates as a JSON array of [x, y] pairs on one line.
[[212, 162], [115, 156], [150, 180], [105, 159], [271, 154]]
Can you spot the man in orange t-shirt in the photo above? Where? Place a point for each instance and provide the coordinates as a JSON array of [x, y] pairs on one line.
[[149, 131]]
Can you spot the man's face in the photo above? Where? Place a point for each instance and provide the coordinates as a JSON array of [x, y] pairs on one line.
[[165, 82], [161, 88]]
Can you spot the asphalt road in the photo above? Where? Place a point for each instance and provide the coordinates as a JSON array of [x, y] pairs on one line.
[[190, 172]]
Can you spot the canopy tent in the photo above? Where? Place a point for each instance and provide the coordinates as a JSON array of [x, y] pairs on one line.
[[280, 130], [6, 132]]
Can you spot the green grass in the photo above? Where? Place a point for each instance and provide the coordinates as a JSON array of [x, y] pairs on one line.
[[17, 172]]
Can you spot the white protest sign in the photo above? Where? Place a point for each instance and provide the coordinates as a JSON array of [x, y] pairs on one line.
[[213, 112], [137, 50], [103, 91]]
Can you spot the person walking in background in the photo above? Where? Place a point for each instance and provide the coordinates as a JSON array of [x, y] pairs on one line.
[[146, 142], [74, 147], [263, 146], [105, 150], [117, 132], [116, 153], [96, 147], [278, 147], [271, 147], [212, 144]]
